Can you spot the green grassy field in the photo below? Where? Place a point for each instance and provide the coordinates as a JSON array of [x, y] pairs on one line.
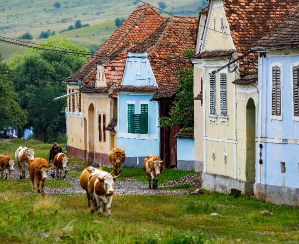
[[27, 217], [18, 17]]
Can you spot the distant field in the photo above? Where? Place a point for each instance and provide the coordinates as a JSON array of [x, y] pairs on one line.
[[34, 16]]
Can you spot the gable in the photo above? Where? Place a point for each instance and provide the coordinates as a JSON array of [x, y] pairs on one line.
[[217, 32]]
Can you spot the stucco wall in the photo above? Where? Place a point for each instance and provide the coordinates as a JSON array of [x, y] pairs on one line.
[[185, 154]]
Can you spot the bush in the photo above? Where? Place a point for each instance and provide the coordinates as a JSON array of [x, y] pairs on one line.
[[119, 21], [57, 5], [45, 34], [71, 27], [26, 36], [78, 24]]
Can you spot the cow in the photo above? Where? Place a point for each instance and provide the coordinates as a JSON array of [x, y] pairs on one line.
[[117, 156], [38, 169], [60, 162], [84, 177], [22, 157], [153, 166], [6, 166], [101, 190]]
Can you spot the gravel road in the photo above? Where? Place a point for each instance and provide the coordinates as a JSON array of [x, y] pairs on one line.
[[122, 188]]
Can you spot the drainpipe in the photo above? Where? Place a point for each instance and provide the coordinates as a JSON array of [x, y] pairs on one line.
[[260, 93]]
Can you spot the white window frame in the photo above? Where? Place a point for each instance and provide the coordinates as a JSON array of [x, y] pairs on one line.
[[295, 118], [280, 65]]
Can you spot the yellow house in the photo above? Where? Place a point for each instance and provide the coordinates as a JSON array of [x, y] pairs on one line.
[[225, 89], [92, 106]]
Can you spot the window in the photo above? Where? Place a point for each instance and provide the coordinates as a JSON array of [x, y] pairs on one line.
[[296, 90], [276, 91], [138, 123], [73, 103], [283, 167], [101, 127], [214, 23], [137, 67], [79, 102], [212, 94], [70, 102], [221, 24], [223, 94]]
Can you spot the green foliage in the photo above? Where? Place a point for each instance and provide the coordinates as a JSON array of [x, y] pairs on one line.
[[45, 34], [57, 5], [182, 112], [71, 27], [26, 36], [162, 5], [11, 112], [38, 77], [118, 21], [186, 238], [78, 24]]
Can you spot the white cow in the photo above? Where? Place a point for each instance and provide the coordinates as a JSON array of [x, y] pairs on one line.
[[22, 157]]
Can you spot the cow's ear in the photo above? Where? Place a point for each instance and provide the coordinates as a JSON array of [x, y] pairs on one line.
[[90, 169]]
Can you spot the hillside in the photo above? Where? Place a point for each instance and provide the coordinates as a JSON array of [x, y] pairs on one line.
[[34, 16]]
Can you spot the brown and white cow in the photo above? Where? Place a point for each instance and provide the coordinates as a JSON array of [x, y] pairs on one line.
[[22, 156], [6, 166], [101, 190], [83, 180], [60, 162], [153, 166], [38, 170], [117, 156]]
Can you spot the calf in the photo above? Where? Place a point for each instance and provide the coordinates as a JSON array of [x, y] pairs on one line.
[[38, 169], [153, 166], [83, 180], [22, 156], [101, 190], [60, 162], [6, 166], [117, 156]]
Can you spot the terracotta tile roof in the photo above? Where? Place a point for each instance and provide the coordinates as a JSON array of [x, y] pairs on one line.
[[216, 53], [111, 124], [137, 27], [165, 92], [135, 89], [284, 36], [249, 21], [165, 47], [204, 10]]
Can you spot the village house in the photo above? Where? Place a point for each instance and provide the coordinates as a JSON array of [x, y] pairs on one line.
[[226, 95], [277, 144], [147, 90], [92, 109]]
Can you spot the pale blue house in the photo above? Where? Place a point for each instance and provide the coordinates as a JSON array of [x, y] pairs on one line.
[[138, 117], [277, 132]]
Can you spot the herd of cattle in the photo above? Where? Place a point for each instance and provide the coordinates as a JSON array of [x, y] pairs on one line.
[[98, 184]]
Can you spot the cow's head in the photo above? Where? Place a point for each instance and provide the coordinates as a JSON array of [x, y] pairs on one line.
[[64, 162], [109, 183], [43, 171], [118, 162], [158, 164], [30, 153], [11, 165]]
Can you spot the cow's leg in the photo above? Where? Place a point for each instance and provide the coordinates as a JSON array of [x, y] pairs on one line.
[[9, 174], [57, 173], [6, 173], [155, 183], [88, 199], [65, 174], [43, 184], [32, 180], [93, 206], [37, 183], [2, 173], [100, 203], [109, 205], [149, 182], [23, 170]]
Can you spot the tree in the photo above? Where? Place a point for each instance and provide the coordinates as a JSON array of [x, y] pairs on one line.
[[38, 77], [57, 5], [11, 112], [26, 36], [162, 5], [118, 21], [78, 24], [71, 27]]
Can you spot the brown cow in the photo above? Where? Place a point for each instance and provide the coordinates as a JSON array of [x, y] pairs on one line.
[[83, 180], [153, 166], [101, 190], [6, 166], [38, 169], [117, 156], [22, 156], [60, 162]]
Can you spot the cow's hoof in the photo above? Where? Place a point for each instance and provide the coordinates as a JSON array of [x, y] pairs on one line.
[[91, 211], [38, 191]]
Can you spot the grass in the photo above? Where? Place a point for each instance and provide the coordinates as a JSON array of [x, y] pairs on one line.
[[27, 217]]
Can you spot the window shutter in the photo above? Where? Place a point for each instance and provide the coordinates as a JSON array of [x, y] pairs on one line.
[[73, 103], [276, 91], [100, 127], [144, 119], [79, 102], [104, 126], [131, 110], [223, 94], [136, 123], [70, 101], [296, 90], [212, 94]]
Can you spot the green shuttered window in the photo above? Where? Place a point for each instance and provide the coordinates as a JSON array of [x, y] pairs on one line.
[[276, 91], [296, 90], [223, 94], [212, 94], [138, 123]]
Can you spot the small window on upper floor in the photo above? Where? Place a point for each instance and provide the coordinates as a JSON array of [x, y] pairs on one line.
[[137, 63], [73, 102], [221, 24], [223, 94], [212, 93], [214, 23], [276, 90]]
